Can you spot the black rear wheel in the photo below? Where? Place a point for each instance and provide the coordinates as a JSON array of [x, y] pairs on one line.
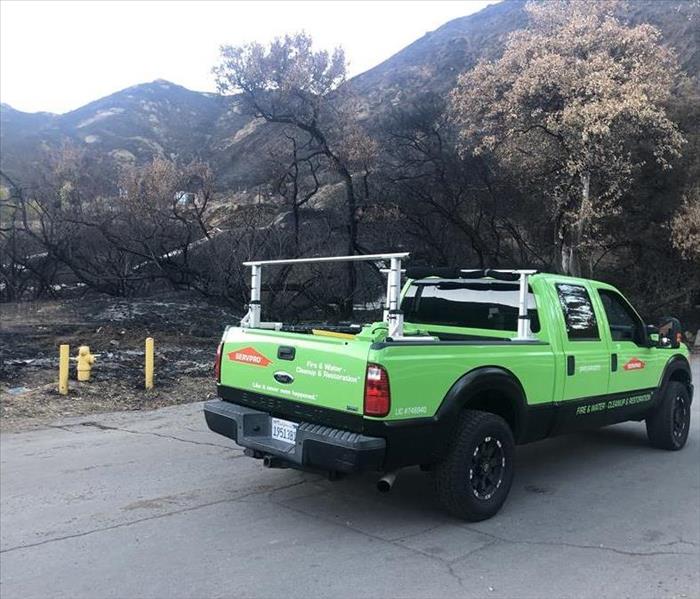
[[669, 423], [474, 479]]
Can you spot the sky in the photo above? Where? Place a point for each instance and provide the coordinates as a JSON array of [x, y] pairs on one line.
[[57, 55]]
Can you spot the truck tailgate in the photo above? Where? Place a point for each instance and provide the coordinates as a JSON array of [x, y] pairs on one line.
[[322, 371]]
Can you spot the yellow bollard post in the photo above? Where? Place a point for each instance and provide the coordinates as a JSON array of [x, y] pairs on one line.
[[63, 357], [149, 363]]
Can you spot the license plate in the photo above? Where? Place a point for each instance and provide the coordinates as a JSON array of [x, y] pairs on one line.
[[283, 430]]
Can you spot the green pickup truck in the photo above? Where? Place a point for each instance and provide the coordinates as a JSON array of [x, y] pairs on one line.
[[465, 365]]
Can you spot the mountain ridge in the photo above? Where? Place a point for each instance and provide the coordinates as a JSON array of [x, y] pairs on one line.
[[162, 118]]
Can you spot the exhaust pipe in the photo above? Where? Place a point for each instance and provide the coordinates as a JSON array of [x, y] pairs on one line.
[[270, 461], [385, 483]]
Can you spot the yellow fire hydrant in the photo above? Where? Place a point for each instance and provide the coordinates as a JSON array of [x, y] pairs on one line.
[[85, 362]]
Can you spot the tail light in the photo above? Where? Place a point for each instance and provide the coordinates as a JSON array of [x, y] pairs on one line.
[[377, 393], [217, 364]]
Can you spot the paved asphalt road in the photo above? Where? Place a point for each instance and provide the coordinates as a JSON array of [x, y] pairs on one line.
[[153, 505]]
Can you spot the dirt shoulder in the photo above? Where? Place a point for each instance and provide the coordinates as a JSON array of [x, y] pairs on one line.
[[185, 330]]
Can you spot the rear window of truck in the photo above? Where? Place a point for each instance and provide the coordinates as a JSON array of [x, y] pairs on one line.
[[479, 305]]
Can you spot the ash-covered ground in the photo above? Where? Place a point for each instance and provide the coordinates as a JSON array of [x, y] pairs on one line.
[[186, 330]]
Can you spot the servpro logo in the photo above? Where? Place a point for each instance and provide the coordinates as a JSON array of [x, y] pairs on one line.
[[248, 355], [634, 364]]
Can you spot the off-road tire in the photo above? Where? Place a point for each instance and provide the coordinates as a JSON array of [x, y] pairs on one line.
[[668, 424], [457, 489]]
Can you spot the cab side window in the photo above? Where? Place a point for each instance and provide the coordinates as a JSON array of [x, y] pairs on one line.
[[581, 322], [624, 323]]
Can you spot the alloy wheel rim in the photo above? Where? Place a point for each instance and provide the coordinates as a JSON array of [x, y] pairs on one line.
[[680, 416], [487, 468]]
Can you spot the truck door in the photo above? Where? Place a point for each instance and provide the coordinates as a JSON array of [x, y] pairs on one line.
[[586, 352], [633, 364]]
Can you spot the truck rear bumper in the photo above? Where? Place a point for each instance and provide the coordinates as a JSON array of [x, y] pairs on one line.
[[317, 446]]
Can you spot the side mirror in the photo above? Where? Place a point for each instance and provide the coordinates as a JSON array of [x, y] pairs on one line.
[[652, 332], [670, 333]]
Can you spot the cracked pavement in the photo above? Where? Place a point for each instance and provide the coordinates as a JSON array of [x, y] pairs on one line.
[[153, 505]]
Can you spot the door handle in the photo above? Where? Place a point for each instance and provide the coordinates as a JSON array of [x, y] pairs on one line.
[[570, 365], [613, 362]]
